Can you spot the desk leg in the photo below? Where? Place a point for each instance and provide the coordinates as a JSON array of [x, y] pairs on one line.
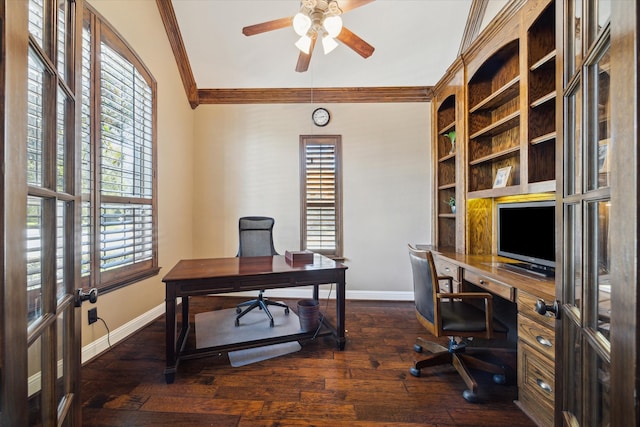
[[170, 330], [340, 311]]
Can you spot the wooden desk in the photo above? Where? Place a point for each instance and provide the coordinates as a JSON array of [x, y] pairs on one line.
[[536, 333], [221, 275]]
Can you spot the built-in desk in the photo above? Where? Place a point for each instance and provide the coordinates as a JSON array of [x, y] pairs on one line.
[[535, 332]]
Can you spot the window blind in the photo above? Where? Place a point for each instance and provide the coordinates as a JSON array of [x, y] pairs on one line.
[[320, 192]]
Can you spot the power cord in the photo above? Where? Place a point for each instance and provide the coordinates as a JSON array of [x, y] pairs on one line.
[[108, 332]]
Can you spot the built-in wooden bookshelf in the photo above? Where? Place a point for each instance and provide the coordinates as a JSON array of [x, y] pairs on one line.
[[504, 116], [446, 171], [494, 119]]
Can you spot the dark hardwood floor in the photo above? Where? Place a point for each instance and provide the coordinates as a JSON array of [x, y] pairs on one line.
[[368, 384]]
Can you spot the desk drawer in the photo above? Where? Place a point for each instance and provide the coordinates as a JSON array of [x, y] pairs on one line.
[[497, 288], [446, 268], [526, 305], [536, 384], [538, 336]]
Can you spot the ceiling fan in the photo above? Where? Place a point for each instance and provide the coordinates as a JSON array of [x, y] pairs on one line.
[[318, 18]]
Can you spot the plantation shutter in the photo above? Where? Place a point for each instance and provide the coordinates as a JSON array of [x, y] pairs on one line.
[[119, 224], [321, 195]]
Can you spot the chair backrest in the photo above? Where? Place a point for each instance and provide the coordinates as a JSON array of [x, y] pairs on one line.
[[425, 283], [256, 236]]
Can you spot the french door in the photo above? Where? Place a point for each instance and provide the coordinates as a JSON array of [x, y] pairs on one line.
[[598, 284], [40, 333]]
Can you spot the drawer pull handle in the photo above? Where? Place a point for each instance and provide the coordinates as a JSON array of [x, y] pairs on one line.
[[543, 341], [546, 387], [481, 282], [447, 269]]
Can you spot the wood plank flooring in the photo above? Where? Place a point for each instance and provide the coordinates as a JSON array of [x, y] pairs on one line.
[[368, 384]]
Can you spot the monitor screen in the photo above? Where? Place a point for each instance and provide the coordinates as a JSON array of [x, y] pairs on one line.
[[526, 232]]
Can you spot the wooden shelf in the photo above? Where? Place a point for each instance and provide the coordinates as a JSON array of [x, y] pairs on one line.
[[447, 186], [447, 215], [506, 123], [543, 138], [511, 190], [545, 60], [496, 155], [447, 128], [447, 157], [543, 99], [505, 93]]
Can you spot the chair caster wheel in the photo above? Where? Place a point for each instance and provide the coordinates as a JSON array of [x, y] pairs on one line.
[[500, 379], [417, 348], [470, 396], [286, 311], [238, 310], [415, 372], [271, 323], [237, 322]]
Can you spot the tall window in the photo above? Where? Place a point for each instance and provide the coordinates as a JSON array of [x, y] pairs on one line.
[[321, 194], [118, 161]]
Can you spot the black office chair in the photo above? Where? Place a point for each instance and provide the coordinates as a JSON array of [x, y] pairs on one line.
[[256, 239], [453, 315]]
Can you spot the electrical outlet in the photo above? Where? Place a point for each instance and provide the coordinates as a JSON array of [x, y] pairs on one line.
[[93, 315]]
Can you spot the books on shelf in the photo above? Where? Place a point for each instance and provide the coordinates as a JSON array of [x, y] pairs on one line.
[[299, 257]]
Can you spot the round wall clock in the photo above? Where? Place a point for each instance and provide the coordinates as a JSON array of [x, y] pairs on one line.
[[321, 116]]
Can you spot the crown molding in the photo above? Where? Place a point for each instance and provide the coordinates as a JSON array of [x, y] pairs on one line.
[[309, 95]]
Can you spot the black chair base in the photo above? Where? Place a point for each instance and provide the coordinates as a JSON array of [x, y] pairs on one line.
[[463, 360], [262, 304]]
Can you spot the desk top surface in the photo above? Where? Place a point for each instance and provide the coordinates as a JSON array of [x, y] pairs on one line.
[[193, 269], [490, 265]]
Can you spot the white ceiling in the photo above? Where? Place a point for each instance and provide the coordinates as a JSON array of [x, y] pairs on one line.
[[415, 42]]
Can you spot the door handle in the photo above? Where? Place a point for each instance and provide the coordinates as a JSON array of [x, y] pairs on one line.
[[544, 308], [91, 296]]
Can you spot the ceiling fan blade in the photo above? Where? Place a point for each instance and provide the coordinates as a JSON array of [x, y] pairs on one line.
[[360, 46], [263, 27], [305, 58], [347, 5]]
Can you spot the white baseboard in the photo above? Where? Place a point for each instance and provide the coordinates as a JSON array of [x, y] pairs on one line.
[[100, 345]]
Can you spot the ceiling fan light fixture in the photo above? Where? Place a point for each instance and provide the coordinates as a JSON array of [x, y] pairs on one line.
[[301, 23], [304, 44], [333, 25], [328, 44]]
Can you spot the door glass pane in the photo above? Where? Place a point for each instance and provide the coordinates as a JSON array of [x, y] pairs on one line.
[[604, 119], [573, 143], [34, 372], [604, 263], [573, 369], [576, 36], [604, 13], [62, 36], [573, 257], [61, 237], [36, 19], [61, 351], [598, 381], [61, 148], [35, 121], [34, 259], [86, 150]]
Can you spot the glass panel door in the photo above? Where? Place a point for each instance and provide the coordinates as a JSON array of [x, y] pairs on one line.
[[584, 368]]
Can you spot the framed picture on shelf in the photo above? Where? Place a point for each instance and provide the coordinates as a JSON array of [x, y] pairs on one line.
[[502, 176]]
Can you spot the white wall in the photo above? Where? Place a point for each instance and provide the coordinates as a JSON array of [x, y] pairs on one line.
[[247, 163]]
